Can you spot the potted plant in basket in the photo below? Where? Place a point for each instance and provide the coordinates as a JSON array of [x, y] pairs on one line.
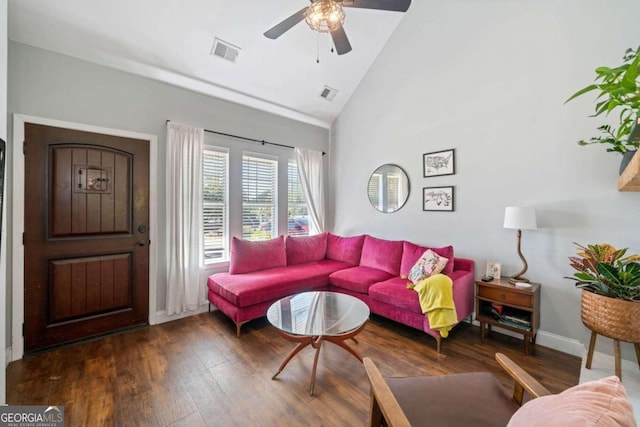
[[610, 304], [618, 90], [604, 270]]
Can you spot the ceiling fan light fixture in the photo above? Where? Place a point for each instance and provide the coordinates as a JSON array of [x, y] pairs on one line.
[[324, 16]]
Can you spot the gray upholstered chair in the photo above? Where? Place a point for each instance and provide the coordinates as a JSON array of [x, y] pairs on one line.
[[473, 399], [477, 399]]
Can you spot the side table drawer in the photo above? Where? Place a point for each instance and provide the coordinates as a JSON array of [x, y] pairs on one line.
[[506, 297]]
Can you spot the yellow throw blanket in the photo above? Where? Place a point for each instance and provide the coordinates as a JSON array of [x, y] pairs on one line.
[[436, 300]]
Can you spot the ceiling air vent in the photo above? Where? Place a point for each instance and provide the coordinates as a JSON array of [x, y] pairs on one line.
[[328, 93], [225, 50]]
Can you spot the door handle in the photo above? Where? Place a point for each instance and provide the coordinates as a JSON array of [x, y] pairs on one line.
[[141, 243]]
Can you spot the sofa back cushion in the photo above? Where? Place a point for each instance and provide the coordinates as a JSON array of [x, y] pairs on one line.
[[412, 252], [301, 250], [382, 254], [247, 256], [345, 249]]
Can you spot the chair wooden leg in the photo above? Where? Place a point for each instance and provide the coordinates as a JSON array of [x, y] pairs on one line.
[[238, 326], [592, 345], [438, 342], [637, 347], [616, 346]]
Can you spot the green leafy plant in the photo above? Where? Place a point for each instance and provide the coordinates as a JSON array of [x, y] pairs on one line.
[[619, 90], [605, 270]]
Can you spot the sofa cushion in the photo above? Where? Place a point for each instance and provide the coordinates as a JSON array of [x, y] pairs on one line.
[[394, 292], [595, 403], [411, 252], [358, 279], [247, 256], [382, 254], [345, 249], [305, 249], [243, 290], [428, 264]]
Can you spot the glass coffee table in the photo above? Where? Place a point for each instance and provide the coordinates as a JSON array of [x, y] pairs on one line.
[[310, 318]]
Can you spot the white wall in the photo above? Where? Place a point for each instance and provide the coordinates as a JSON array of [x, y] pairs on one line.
[[489, 79], [5, 326], [49, 85]]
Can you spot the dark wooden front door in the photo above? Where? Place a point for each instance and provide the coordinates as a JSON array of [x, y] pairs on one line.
[[86, 234]]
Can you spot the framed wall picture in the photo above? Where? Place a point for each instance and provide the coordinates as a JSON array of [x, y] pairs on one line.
[[439, 163], [493, 269], [437, 199]]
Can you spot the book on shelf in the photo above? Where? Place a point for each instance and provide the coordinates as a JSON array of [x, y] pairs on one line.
[[517, 319], [515, 324]]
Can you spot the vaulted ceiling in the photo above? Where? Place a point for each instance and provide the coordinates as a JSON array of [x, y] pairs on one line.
[[172, 41]]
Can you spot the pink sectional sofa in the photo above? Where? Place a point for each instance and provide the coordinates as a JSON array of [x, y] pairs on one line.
[[371, 269]]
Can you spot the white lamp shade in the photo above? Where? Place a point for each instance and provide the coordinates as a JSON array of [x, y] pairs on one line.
[[521, 218]]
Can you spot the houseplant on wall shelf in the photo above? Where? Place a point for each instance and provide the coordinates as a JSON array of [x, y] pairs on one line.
[[610, 304], [618, 91]]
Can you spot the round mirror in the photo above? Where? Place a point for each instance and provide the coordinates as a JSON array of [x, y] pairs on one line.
[[388, 188]]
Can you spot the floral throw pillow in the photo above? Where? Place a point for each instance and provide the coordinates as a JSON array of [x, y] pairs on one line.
[[428, 264]]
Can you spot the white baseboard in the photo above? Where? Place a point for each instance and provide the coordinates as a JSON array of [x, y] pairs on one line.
[[163, 317], [547, 339], [560, 343]]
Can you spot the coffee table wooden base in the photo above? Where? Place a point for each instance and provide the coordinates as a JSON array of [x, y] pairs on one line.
[[316, 342]]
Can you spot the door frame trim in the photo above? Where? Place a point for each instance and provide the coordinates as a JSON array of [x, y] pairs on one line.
[[17, 202]]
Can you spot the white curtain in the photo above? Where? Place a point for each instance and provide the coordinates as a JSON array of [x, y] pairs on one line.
[[311, 172], [184, 217]]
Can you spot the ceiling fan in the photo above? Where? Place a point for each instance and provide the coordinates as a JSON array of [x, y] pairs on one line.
[[327, 16]]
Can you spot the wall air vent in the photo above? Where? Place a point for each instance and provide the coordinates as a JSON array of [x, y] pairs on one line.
[[225, 50], [328, 93]]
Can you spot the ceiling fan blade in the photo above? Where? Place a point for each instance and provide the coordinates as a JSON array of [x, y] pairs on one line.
[[341, 41], [286, 25], [392, 5]]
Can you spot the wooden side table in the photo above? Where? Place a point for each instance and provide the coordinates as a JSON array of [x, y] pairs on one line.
[[519, 307]]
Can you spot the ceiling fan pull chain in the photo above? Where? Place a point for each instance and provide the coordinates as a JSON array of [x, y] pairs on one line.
[[318, 48]]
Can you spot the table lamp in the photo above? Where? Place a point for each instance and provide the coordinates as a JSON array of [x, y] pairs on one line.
[[520, 218]]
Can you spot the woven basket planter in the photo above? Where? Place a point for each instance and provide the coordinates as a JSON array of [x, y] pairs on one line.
[[611, 317]]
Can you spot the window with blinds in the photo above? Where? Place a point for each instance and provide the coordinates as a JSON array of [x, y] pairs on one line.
[[259, 198], [215, 204], [298, 215]]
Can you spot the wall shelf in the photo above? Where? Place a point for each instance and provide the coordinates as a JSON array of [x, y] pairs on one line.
[[630, 178]]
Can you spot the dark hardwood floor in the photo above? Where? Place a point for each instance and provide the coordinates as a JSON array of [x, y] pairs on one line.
[[195, 372]]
